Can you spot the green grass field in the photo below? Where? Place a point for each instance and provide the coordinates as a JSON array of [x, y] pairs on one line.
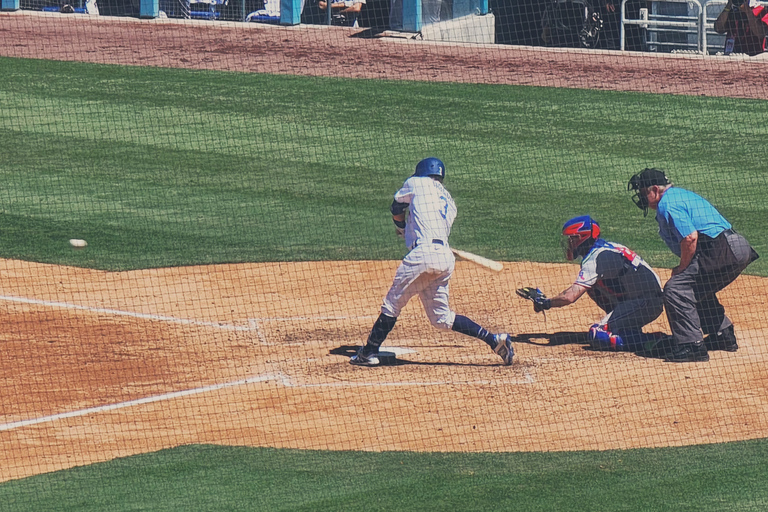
[[158, 167], [214, 478]]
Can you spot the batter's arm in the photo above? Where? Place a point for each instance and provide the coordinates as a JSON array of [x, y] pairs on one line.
[[687, 250], [568, 296], [398, 213], [398, 216]]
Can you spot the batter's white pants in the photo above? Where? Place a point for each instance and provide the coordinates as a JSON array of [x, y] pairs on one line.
[[426, 272]]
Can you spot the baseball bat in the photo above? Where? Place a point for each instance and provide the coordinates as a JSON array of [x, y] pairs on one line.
[[479, 260]]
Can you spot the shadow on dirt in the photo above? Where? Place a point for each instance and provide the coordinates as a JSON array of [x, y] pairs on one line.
[[350, 350], [552, 339], [654, 350]]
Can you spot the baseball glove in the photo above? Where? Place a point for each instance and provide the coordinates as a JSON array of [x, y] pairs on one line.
[[540, 301]]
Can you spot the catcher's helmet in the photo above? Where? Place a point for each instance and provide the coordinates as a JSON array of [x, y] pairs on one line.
[[647, 178], [430, 167], [581, 232]]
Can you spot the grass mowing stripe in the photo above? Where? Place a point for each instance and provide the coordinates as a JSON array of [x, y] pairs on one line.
[[201, 477], [226, 167]]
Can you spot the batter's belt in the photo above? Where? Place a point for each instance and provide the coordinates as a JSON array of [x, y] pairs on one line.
[[434, 241]]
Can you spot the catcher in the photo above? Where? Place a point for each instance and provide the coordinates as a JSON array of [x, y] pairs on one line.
[[617, 279]]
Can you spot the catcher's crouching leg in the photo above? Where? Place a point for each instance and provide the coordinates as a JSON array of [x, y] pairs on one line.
[[655, 344], [601, 339]]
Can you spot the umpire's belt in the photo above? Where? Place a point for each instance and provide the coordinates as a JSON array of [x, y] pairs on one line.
[[434, 241]]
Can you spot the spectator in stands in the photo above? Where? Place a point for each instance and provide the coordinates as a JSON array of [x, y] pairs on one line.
[[745, 25], [611, 24], [343, 12]]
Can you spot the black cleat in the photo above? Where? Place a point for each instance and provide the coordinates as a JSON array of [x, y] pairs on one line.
[[365, 358], [504, 348], [688, 353], [724, 340]]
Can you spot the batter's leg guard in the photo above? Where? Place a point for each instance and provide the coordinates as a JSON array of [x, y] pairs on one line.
[[466, 326], [381, 329], [366, 355]]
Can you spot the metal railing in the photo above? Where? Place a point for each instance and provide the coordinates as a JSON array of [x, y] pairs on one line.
[[699, 24], [709, 26]]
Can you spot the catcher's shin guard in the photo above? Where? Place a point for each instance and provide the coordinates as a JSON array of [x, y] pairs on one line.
[[600, 339]]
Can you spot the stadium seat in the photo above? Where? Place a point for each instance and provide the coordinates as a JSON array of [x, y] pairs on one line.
[[269, 14], [53, 8]]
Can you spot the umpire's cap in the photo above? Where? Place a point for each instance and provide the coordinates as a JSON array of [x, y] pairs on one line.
[[648, 178]]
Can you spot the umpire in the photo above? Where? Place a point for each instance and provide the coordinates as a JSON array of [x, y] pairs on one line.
[[712, 255]]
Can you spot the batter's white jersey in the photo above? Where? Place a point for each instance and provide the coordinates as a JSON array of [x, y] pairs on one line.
[[431, 212], [428, 267]]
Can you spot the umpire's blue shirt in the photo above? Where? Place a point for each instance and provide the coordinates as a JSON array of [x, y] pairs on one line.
[[681, 212]]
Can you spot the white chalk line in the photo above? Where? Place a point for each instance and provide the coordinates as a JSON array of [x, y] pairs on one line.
[[303, 318], [119, 312], [252, 327], [269, 377], [253, 323], [130, 403]]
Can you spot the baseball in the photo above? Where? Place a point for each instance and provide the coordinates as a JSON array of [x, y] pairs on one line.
[[78, 243]]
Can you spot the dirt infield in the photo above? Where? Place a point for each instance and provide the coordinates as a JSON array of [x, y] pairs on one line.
[[97, 365], [257, 355]]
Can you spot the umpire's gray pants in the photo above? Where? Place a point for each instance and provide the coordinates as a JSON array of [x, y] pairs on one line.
[[693, 309]]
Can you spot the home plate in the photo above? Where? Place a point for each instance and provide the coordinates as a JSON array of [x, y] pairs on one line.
[[386, 358], [398, 351], [389, 356]]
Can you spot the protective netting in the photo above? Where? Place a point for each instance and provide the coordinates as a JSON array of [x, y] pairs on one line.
[[233, 183]]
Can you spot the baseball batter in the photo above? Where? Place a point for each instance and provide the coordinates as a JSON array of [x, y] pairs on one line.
[[618, 280], [427, 268]]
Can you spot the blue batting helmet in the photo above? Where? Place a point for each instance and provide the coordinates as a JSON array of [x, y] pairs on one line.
[[430, 167], [581, 232]]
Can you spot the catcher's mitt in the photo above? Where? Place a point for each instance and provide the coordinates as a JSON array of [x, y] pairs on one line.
[[531, 293], [540, 301]]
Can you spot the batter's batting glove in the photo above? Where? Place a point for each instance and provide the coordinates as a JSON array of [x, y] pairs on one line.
[[540, 301]]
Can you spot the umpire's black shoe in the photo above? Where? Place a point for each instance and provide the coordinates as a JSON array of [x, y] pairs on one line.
[[688, 353], [724, 340]]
